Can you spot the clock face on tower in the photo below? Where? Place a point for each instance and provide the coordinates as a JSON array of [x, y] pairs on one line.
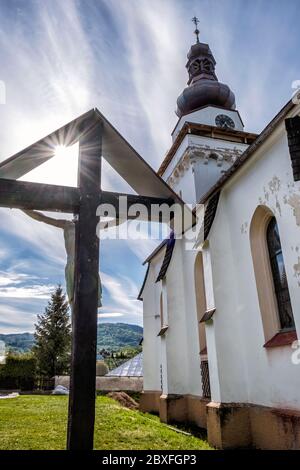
[[222, 120]]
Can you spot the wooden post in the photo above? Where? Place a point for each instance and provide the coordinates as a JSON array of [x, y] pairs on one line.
[[83, 368]]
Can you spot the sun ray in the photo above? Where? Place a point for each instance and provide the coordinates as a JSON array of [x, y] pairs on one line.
[[61, 169]]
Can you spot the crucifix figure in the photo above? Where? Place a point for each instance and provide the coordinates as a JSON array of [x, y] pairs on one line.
[[68, 227], [197, 32]]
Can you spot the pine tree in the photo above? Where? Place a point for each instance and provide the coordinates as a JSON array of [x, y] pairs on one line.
[[53, 336]]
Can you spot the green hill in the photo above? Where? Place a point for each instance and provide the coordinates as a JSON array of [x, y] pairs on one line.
[[111, 336], [18, 342]]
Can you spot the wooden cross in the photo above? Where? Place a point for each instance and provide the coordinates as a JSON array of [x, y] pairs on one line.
[[92, 130]]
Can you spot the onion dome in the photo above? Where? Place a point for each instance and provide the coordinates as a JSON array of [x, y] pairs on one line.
[[203, 88]]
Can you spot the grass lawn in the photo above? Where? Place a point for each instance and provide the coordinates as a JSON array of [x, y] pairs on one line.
[[39, 422]]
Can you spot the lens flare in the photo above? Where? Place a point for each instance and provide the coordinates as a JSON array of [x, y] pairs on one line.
[[60, 169]]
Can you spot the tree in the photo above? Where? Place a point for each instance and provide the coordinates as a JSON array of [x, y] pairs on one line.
[[53, 336]]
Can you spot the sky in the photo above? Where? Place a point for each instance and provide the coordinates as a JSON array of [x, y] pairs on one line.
[[127, 58]]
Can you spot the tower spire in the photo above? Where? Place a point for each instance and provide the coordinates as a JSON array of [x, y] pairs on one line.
[[203, 88], [197, 32]]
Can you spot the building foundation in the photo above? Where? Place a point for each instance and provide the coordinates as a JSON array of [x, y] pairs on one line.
[[229, 425]]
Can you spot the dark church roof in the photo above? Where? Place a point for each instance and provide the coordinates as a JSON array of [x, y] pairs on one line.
[[167, 258], [209, 214], [140, 296], [203, 88], [292, 126]]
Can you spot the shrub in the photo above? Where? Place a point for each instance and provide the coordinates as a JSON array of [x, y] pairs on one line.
[[18, 372]]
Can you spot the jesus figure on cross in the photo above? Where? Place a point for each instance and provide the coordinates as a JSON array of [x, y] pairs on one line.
[[68, 227]]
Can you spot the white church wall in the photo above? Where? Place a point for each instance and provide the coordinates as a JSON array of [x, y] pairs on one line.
[[193, 346], [206, 173], [191, 140], [184, 186], [176, 336], [151, 323], [215, 144], [184, 183], [176, 158], [199, 173], [178, 351], [207, 116], [209, 328], [224, 342], [163, 340], [269, 375]]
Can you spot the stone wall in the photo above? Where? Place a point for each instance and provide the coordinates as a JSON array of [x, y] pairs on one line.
[[109, 384]]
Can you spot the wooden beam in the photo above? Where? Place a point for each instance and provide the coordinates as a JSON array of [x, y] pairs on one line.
[[48, 197], [85, 309], [113, 198]]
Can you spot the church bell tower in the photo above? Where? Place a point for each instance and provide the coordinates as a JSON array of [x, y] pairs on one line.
[[209, 134]]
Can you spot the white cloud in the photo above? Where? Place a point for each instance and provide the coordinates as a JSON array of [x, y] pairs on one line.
[[7, 278], [48, 240], [27, 292], [19, 285], [122, 295], [15, 319], [142, 248], [153, 47], [110, 315]]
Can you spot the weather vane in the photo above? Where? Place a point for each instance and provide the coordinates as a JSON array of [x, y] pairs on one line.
[[197, 32]]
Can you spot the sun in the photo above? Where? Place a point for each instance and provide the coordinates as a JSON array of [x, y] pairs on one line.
[[61, 169], [61, 151]]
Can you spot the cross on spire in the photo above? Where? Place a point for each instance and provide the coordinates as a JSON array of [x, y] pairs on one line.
[[197, 32]]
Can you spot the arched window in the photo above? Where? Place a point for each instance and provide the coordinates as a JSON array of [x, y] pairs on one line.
[[282, 294], [270, 275]]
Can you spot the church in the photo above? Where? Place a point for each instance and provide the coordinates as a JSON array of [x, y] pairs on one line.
[[221, 320]]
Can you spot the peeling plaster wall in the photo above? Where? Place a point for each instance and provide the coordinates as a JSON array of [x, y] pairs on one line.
[[248, 372]]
